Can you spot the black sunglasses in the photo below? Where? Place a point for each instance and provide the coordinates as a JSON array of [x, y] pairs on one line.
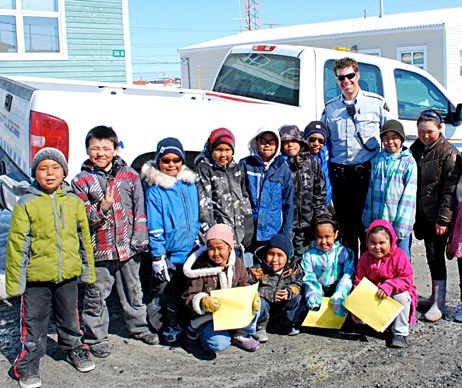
[[343, 76], [168, 160], [313, 139], [271, 142]]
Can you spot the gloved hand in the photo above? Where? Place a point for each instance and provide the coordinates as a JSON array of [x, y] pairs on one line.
[[210, 304], [256, 303], [160, 267]]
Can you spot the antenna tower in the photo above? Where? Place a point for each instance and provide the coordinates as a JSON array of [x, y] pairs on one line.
[[252, 15]]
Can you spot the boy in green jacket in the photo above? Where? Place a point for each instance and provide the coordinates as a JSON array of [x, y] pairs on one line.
[[49, 247]]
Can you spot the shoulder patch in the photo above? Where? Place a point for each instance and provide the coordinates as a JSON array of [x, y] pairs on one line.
[[386, 107]]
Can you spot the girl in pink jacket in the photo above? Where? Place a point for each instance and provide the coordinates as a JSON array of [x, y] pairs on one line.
[[388, 267]]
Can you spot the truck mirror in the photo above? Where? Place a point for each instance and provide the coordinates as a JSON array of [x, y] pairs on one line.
[[458, 115]]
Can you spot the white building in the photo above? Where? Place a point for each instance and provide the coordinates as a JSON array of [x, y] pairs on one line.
[[431, 40]]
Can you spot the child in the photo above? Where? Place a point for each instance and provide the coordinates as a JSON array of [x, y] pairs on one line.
[[315, 134], [216, 267], [114, 200], [455, 248], [388, 267], [393, 185], [49, 247], [173, 224], [223, 198], [328, 267], [309, 187], [280, 280], [439, 167], [270, 187]]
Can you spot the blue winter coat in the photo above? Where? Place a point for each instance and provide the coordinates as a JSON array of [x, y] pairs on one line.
[[172, 210], [271, 191], [322, 157]]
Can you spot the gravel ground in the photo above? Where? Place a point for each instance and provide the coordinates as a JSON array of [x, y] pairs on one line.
[[313, 358]]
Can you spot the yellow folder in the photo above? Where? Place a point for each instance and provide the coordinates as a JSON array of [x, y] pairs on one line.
[[236, 307], [324, 317], [364, 303]]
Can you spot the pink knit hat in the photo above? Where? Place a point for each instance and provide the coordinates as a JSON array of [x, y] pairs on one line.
[[221, 232]]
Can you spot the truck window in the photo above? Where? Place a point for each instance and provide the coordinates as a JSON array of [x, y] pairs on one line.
[[370, 79], [416, 93], [273, 78]]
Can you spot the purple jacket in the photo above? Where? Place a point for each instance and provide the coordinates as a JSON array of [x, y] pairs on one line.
[[393, 274]]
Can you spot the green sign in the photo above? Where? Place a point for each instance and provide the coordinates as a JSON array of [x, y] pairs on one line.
[[118, 53]]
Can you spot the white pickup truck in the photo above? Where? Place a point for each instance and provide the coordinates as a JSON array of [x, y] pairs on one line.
[[256, 85]]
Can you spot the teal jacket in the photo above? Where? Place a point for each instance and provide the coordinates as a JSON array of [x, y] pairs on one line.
[[49, 240]]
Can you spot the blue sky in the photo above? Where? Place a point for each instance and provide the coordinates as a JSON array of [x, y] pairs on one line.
[[159, 28]]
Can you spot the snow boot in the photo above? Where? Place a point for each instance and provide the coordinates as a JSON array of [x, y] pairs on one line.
[[438, 308]]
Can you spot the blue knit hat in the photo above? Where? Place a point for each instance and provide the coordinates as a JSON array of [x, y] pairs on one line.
[[278, 241], [169, 145], [315, 127]]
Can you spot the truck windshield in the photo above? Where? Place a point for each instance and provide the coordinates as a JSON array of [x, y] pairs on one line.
[[273, 78]]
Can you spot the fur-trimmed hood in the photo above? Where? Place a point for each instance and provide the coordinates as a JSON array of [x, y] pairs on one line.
[[152, 176], [197, 266]]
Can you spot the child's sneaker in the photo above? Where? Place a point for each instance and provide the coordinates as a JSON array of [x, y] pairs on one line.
[[100, 350], [261, 335], [191, 333], [458, 313], [171, 334], [148, 338], [80, 358], [293, 331], [30, 381], [398, 341], [246, 343]]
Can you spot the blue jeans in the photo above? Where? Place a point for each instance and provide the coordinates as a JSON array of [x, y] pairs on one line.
[[221, 340], [405, 244], [283, 312]]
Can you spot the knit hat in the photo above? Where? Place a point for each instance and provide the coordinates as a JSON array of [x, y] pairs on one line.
[[49, 153], [221, 232], [221, 136], [278, 241], [315, 127], [395, 126], [167, 146], [291, 132]]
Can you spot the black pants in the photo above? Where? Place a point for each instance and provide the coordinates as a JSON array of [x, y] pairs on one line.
[[164, 303], [435, 248], [349, 192], [35, 314]]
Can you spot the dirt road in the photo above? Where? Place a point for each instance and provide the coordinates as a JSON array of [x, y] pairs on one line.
[[314, 358]]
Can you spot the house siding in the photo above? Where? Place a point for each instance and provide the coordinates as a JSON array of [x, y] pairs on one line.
[[453, 76], [93, 30]]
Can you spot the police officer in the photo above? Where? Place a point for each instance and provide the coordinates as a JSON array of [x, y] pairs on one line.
[[353, 121]]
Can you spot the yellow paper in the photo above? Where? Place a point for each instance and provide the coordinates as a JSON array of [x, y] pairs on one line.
[[364, 303], [236, 307], [324, 317]]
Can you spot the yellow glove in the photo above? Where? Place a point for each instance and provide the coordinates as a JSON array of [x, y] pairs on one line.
[[256, 303], [210, 303]]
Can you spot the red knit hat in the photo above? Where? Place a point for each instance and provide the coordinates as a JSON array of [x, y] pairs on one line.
[[221, 136], [221, 232]]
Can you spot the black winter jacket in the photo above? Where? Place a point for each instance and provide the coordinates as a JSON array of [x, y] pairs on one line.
[[223, 199], [439, 168], [310, 190]]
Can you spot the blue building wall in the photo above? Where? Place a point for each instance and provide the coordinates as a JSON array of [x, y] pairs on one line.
[[94, 29]]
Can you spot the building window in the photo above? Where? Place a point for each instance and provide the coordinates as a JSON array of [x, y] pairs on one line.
[[31, 29], [416, 56], [460, 62], [374, 52]]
